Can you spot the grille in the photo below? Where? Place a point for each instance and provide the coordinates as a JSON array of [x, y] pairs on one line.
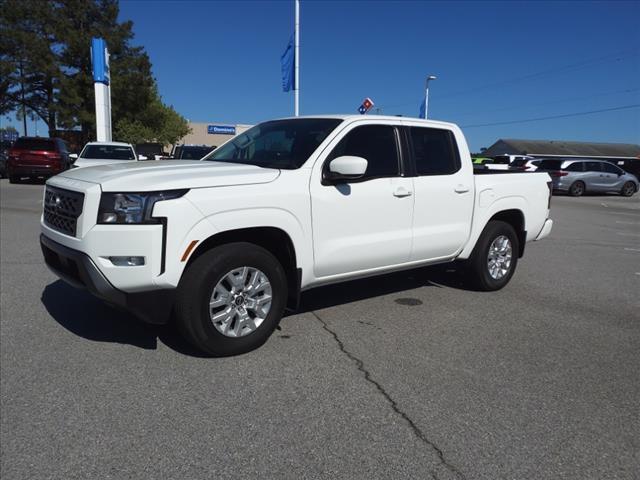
[[62, 209]]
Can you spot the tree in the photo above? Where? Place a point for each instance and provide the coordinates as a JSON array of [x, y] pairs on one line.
[[45, 67], [156, 123], [28, 55]]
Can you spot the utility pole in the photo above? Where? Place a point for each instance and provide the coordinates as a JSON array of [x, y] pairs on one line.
[[296, 60]]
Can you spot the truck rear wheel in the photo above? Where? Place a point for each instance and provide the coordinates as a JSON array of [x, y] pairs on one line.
[[231, 298], [494, 257]]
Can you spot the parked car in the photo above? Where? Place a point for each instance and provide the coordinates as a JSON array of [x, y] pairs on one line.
[[525, 164], [227, 242], [37, 157], [3, 163], [577, 177], [481, 160], [151, 151], [503, 162], [192, 152], [104, 153]]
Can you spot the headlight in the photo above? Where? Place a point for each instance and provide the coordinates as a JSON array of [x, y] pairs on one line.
[[118, 208]]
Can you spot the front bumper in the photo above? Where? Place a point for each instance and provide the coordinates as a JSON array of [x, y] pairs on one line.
[[77, 269], [34, 170], [546, 229]]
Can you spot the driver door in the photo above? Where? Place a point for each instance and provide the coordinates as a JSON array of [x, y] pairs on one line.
[[363, 224]]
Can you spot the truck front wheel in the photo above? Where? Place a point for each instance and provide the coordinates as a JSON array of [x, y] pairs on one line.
[[494, 257], [231, 298]]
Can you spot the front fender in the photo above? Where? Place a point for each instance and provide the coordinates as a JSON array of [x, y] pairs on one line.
[[236, 219]]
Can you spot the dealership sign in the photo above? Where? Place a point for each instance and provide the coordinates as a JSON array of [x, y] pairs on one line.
[[367, 103], [100, 61], [221, 130]]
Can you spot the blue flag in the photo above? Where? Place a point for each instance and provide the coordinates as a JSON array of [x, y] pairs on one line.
[[422, 110], [287, 66]]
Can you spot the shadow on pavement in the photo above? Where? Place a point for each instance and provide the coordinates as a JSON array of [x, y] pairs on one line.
[[352, 291], [90, 318]]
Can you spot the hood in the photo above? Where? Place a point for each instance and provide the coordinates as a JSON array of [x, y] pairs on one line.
[[170, 175]]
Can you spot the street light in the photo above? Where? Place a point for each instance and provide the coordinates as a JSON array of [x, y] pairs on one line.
[[426, 96]]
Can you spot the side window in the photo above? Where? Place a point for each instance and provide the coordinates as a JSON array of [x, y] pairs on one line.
[[575, 167], [592, 167], [376, 144], [435, 151], [607, 167]]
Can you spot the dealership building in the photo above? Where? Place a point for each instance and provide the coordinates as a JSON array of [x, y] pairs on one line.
[[213, 134], [560, 148]]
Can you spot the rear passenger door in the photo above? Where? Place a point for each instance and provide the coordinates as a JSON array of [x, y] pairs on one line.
[[594, 177], [444, 193]]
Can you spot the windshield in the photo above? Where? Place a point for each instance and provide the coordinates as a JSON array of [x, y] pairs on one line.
[[194, 153], [111, 152], [285, 144]]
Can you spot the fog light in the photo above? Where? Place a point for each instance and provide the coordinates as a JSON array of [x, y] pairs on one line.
[[127, 261]]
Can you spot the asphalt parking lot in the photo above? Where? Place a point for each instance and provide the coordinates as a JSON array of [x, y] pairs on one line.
[[407, 376]]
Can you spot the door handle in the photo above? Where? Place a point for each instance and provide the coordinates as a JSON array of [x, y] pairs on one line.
[[461, 189], [402, 192]]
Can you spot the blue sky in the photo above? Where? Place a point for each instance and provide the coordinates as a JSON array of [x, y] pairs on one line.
[[495, 62]]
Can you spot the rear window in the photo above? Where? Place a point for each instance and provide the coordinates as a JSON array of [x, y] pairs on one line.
[[35, 144], [550, 164], [110, 152], [194, 153]]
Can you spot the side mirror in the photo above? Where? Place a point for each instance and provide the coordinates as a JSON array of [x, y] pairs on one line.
[[73, 156], [346, 168], [142, 157]]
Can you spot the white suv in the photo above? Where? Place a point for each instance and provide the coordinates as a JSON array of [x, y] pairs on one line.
[[104, 153]]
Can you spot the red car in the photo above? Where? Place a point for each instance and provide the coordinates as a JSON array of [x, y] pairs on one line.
[[37, 157]]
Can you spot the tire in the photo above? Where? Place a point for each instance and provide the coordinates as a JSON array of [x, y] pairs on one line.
[[577, 189], [628, 189], [14, 179], [208, 276], [493, 237]]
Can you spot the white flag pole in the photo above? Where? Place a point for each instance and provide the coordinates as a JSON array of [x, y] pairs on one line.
[[296, 60]]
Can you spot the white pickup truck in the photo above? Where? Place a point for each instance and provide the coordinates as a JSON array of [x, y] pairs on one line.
[[225, 244]]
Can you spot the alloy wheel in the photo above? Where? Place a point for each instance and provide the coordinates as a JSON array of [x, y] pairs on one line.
[[240, 302]]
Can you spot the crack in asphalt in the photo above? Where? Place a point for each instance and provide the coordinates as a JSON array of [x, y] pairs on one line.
[[394, 405]]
